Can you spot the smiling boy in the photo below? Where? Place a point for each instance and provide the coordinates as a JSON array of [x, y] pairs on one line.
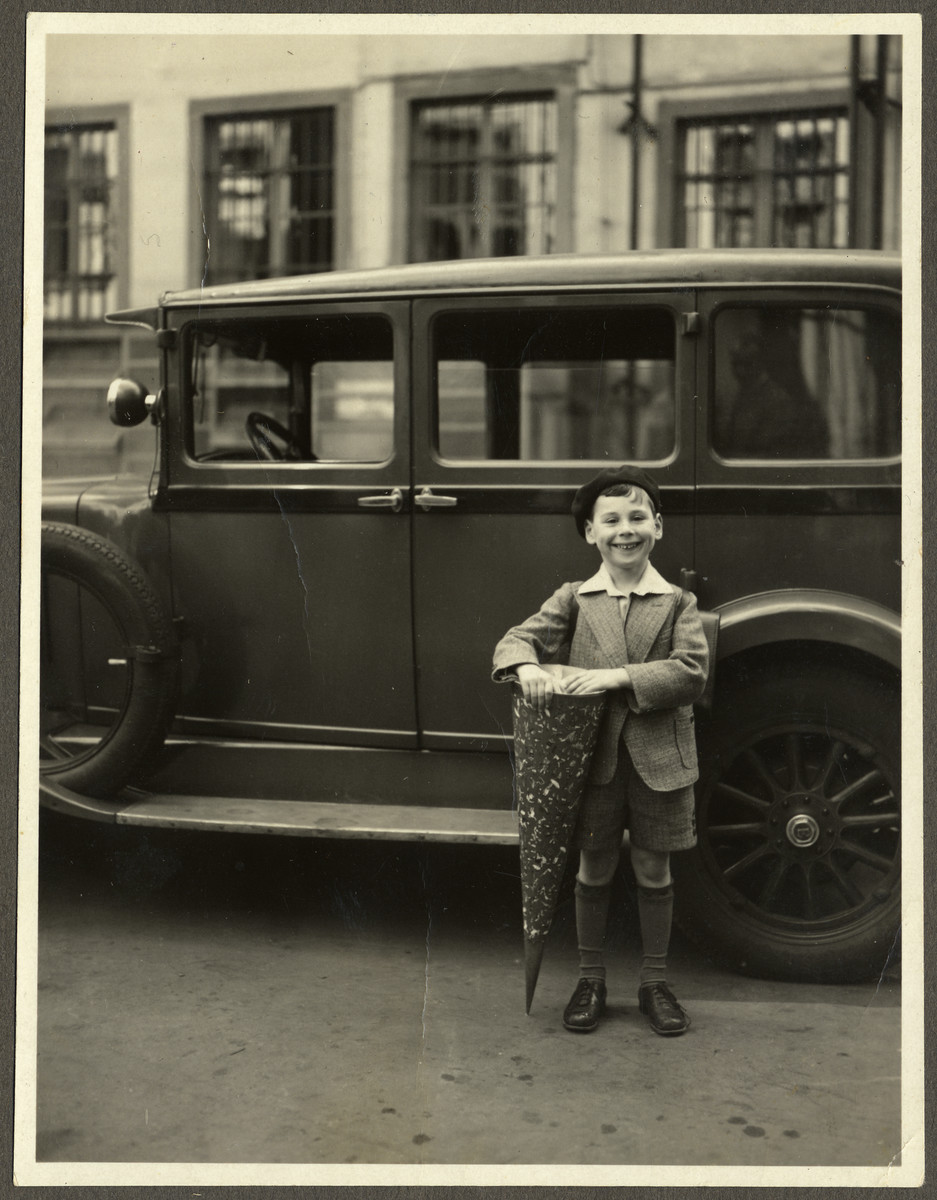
[[627, 632]]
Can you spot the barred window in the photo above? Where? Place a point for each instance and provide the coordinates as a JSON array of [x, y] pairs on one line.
[[79, 272], [774, 179], [483, 177], [270, 194]]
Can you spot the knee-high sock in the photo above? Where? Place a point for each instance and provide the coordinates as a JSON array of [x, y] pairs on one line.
[[655, 913], [591, 923]]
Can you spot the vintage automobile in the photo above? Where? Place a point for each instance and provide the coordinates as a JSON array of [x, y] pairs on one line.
[[364, 478]]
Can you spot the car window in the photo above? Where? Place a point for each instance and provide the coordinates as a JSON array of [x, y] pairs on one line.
[[537, 384], [297, 390], [806, 383]]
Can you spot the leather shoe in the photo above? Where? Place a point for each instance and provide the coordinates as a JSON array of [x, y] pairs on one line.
[[659, 1005], [585, 1006]]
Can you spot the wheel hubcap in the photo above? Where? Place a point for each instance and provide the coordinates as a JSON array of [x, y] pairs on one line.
[[801, 821], [802, 830]]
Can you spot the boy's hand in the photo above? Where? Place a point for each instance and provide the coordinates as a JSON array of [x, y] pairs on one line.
[[538, 686], [599, 680]]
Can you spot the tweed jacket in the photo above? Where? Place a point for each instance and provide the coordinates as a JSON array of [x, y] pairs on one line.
[[667, 658]]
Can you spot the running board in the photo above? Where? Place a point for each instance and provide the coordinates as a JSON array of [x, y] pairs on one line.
[[297, 818]]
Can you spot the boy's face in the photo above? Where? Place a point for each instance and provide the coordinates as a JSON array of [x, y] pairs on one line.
[[624, 530]]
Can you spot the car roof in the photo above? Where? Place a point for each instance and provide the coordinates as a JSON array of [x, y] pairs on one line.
[[563, 272]]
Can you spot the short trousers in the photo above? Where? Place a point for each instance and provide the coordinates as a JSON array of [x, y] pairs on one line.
[[661, 821]]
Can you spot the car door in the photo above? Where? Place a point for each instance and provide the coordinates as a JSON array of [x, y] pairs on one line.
[[288, 499], [518, 400]]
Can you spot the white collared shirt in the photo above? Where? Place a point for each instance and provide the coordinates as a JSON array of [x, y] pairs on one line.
[[650, 583]]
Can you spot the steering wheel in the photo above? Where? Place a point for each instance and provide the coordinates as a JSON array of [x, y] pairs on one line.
[[271, 440]]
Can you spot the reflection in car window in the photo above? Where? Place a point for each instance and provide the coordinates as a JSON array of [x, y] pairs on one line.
[[806, 383], [292, 390], [536, 384]]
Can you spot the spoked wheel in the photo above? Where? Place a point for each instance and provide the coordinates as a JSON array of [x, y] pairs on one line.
[[85, 674], [797, 870], [107, 664]]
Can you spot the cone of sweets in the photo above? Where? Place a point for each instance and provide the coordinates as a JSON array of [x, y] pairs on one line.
[[552, 752]]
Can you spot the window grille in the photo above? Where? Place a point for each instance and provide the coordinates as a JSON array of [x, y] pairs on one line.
[[483, 178], [775, 179], [270, 194], [79, 272]]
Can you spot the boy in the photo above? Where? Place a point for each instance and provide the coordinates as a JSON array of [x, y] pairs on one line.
[[627, 632]]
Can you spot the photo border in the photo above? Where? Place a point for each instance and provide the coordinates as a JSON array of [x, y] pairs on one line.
[[23, 506]]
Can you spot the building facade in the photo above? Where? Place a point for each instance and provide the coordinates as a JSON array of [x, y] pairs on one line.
[[171, 161]]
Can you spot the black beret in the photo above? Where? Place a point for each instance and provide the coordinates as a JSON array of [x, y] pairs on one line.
[[585, 498]]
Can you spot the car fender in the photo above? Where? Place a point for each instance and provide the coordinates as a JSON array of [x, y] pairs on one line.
[[61, 499], [122, 511], [810, 614]]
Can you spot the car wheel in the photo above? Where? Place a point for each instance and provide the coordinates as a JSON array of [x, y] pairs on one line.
[[796, 873], [107, 664]]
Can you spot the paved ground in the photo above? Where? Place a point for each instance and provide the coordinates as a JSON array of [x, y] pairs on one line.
[[232, 999]]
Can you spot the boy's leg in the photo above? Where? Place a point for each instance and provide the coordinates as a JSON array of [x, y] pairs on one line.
[[602, 817], [593, 893], [655, 910], [655, 913]]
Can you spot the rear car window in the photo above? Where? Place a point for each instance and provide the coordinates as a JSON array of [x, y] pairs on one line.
[[806, 383], [536, 384]]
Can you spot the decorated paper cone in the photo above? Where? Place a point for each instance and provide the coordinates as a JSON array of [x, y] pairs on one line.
[[551, 760]]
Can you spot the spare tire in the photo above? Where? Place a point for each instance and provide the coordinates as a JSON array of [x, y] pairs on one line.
[[108, 664]]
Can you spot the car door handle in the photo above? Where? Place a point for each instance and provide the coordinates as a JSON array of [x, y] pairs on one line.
[[427, 499], [392, 500]]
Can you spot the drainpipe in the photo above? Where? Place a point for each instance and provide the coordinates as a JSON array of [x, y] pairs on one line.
[[855, 54], [868, 109], [878, 164], [637, 128]]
